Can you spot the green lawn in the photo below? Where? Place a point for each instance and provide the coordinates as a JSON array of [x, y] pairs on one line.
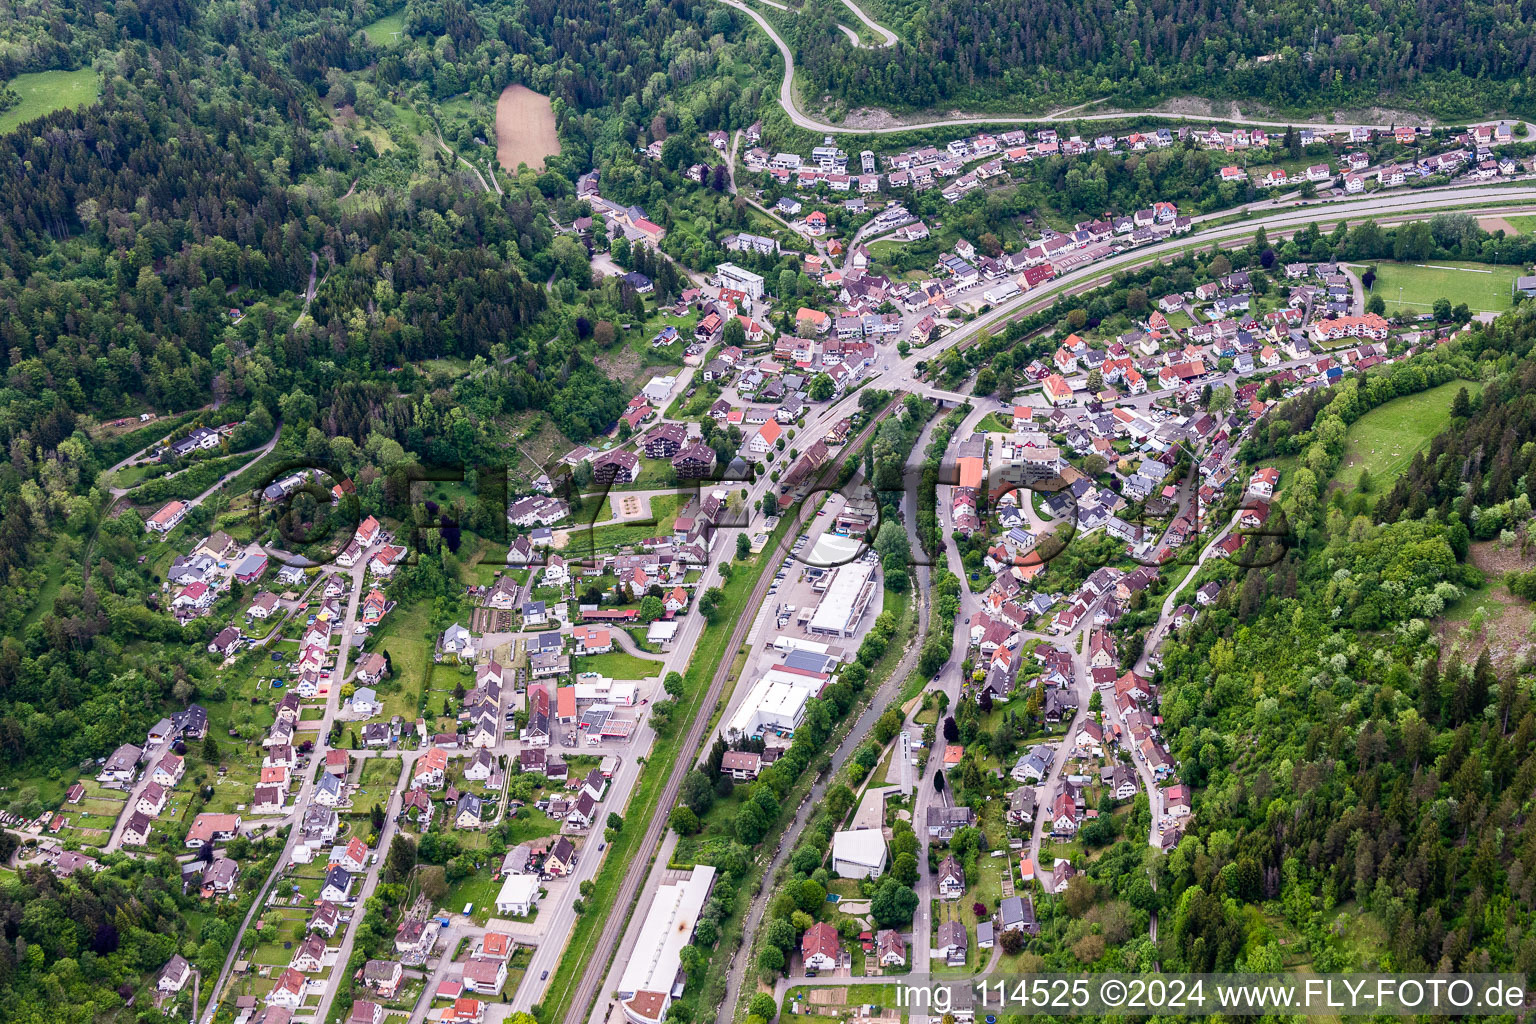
[[992, 423], [1524, 224], [477, 888], [528, 824], [1414, 287], [387, 30], [1385, 439], [586, 539], [45, 595], [43, 92], [403, 637], [619, 665]]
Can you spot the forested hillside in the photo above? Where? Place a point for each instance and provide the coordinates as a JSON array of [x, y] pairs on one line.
[[1445, 57], [74, 949]]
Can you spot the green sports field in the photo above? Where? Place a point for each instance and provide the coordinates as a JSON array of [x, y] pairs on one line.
[[43, 92], [1414, 287], [1385, 439]]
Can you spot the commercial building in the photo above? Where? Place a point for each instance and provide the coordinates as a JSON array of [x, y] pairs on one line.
[[845, 600], [653, 976], [859, 853], [776, 703], [519, 894], [595, 688]]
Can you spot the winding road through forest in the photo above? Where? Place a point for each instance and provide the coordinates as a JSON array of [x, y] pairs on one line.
[[791, 103], [881, 30]]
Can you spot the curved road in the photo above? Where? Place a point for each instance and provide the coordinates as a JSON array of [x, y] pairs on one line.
[[903, 375], [790, 102], [887, 34]]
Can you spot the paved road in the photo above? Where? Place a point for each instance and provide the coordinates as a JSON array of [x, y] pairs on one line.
[[447, 945], [118, 492], [626, 643], [261, 453], [556, 916], [258, 453], [301, 797], [903, 374], [311, 288], [881, 30], [1165, 614], [887, 693], [1385, 210], [369, 884], [790, 102], [1082, 686], [656, 828]]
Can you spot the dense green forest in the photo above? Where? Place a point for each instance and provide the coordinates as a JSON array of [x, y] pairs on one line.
[[1453, 59]]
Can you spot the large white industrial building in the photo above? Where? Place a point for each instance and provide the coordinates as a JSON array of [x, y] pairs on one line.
[[653, 977], [776, 703], [845, 600], [859, 853]]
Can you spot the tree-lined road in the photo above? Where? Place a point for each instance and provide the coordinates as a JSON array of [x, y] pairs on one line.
[[886, 34]]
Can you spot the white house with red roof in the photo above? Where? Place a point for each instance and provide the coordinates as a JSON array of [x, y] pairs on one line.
[[367, 532]]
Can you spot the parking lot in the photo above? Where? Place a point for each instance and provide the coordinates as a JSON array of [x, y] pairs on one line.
[[801, 579]]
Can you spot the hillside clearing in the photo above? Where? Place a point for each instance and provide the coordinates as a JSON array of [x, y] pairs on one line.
[[525, 129], [1385, 439], [387, 30], [43, 92]]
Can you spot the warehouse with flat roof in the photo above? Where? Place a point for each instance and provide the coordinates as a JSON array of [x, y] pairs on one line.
[[846, 599], [859, 853], [776, 703], [654, 976]]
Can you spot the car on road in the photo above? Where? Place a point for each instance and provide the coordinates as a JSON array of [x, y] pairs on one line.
[[544, 975]]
